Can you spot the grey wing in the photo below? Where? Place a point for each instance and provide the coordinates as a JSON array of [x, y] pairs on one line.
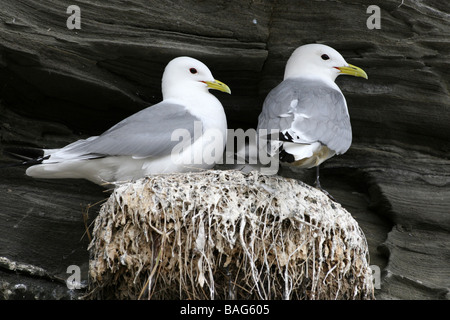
[[307, 111], [147, 133]]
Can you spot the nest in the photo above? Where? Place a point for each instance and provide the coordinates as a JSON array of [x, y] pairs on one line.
[[226, 235]]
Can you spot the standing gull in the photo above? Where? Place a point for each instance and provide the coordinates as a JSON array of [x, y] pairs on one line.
[[143, 143], [308, 109]]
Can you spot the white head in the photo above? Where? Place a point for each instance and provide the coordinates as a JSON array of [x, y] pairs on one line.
[[184, 75], [319, 61]]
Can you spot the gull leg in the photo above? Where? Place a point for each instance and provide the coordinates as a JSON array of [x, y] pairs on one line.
[[318, 185], [231, 295]]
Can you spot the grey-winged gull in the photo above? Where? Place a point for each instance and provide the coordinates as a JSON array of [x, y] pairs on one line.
[[144, 143], [309, 109]]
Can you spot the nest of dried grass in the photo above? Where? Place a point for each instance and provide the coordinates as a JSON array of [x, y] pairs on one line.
[[225, 235]]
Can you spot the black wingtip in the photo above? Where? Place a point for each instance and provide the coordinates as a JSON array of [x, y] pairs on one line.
[[23, 153], [27, 155]]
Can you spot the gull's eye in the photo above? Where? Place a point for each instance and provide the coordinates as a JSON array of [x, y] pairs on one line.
[[193, 70], [325, 57]]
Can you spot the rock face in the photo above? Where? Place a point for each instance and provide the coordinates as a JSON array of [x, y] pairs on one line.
[[58, 85]]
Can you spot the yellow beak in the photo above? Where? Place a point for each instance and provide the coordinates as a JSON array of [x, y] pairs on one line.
[[218, 85], [353, 71]]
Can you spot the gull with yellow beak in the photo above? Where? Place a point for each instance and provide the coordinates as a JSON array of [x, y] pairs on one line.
[[308, 109], [143, 143]]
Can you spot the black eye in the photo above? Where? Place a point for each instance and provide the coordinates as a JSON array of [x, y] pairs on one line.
[[193, 70], [325, 57]]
